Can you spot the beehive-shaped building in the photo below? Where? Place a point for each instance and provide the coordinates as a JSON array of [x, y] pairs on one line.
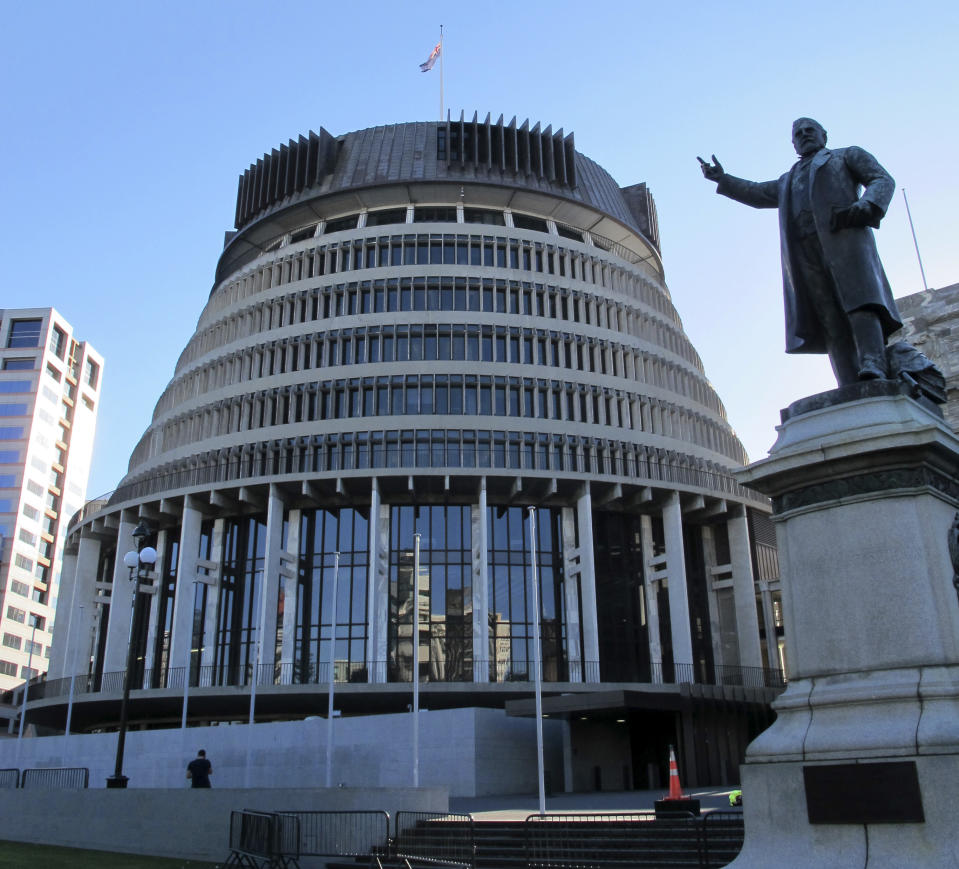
[[417, 333]]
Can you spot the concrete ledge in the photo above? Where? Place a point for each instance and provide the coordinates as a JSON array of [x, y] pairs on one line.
[[184, 823]]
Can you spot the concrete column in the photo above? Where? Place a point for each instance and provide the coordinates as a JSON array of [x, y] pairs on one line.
[[208, 652], [571, 574], [652, 605], [480, 569], [587, 583], [567, 726], [378, 587], [121, 598], [80, 650], [185, 594], [744, 590], [65, 618], [288, 582], [676, 567], [270, 583], [154, 603]]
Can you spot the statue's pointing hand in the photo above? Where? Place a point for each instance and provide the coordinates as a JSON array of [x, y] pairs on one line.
[[712, 171]]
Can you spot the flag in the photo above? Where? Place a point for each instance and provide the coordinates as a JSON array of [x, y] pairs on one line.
[[435, 53]]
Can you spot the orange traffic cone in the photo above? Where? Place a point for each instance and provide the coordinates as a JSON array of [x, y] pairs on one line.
[[675, 789]]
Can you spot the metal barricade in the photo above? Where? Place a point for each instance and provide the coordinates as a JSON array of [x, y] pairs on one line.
[[598, 840], [9, 778], [721, 838], [63, 778], [440, 838], [341, 833], [270, 837]]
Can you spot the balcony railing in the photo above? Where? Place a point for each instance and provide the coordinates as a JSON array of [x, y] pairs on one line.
[[392, 672]]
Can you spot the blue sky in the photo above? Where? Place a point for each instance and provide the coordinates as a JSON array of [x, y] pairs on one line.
[[126, 125]]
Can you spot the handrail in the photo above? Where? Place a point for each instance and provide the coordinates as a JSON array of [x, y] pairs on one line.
[[286, 674]]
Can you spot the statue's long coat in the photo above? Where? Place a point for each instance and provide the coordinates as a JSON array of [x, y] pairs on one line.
[[849, 255]]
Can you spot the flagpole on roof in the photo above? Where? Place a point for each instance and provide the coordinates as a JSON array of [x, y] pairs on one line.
[[441, 72]]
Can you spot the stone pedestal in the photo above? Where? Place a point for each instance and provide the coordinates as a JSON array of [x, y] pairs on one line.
[[861, 767]]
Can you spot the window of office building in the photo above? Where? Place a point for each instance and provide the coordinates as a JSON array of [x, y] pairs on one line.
[[445, 593], [24, 333], [19, 364], [16, 615], [15, 385], [11, 433], [511, 598], [91, 373], [58, 341], [8, 668], [322, 534], [12, 642]]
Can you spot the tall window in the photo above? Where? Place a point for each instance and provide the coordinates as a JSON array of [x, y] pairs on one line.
[[201, 592], [511, 598], [445, 647], [24, 333], [322, 534], [620, 599], [58, 341], [104, 575], [241, 583], [167, 592]]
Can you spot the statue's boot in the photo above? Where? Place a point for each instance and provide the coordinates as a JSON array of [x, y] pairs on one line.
[[870, 345]]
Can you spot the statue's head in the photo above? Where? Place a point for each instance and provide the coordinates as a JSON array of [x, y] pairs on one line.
[[808, 136]]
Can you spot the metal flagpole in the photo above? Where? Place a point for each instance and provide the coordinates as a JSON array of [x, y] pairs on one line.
[[537, 664], [441, 72], [416, 656], [329, 703], [922, 271]]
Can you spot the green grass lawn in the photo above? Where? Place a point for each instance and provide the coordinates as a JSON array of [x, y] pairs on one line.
[[17, 855]]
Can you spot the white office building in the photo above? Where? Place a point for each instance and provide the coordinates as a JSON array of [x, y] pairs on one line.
[[49, 397]]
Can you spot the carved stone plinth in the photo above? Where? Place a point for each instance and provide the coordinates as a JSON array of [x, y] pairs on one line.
[[861, 767]]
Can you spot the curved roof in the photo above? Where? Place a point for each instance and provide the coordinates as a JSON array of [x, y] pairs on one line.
[[521, 156]]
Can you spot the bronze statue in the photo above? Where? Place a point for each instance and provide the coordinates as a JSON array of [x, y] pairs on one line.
[[837, 298]]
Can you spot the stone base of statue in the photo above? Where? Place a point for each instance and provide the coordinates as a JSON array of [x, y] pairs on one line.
[[861, 767]]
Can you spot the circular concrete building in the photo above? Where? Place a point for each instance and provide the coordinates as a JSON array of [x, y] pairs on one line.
[[416, 333]]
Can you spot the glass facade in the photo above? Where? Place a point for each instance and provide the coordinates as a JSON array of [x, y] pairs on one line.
[[511, 612], [621, 598], [238, 611], [322, 534], [445, 596]]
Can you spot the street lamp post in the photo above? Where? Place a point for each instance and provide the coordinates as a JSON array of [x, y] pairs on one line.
[[135, 560]]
